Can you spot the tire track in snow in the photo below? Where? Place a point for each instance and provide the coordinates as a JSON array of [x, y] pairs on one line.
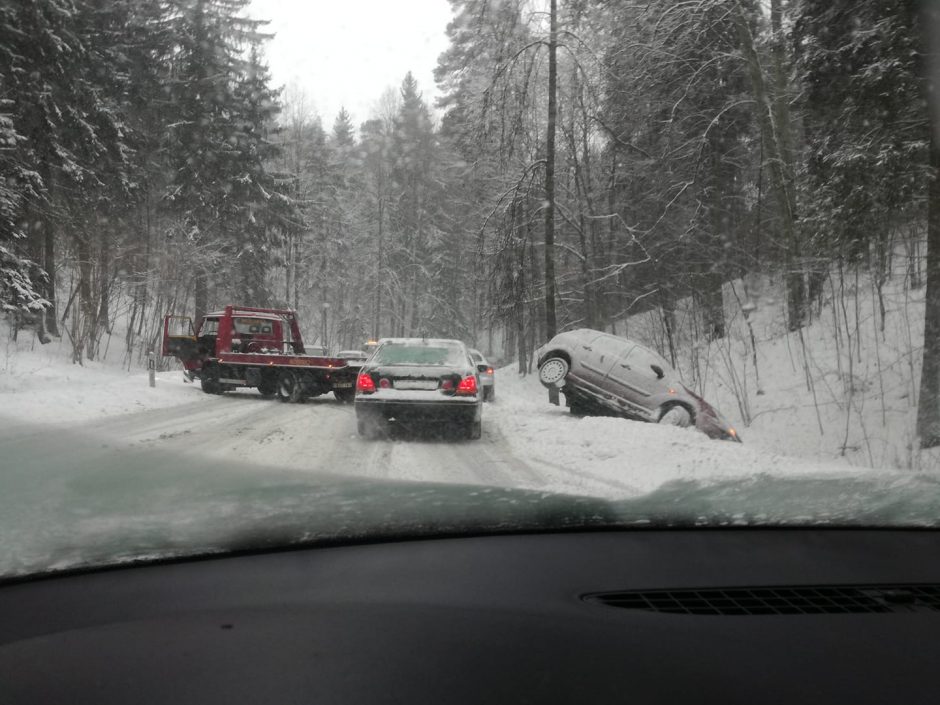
[[320, 437]]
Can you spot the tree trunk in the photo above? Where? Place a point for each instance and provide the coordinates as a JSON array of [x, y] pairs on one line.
[[712, 263], [103, 317], [47, 230], [550, 321], [377, 308], [83, 330], [519, 287], [200, 296], [928, 410], [668, 309], [773, 119]]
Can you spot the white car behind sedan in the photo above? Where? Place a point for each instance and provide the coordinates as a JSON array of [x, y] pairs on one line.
[[487, 376]]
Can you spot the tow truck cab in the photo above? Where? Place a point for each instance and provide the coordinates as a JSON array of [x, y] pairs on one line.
[[234, 330]]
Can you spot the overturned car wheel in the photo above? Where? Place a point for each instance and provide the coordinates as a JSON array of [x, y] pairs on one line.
[[676, 416], [553, 371]]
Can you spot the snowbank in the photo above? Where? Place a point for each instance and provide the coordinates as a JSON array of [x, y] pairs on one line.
[[607, 453], [39, 384]]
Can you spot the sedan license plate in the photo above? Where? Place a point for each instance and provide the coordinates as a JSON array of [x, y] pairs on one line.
[[416, 384]]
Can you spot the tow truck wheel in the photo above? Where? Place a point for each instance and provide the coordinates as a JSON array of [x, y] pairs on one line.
[[210, 380], [268, 387], [288, 387]]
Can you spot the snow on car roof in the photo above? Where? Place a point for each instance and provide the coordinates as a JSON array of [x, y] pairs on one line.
[[420, 341], [245, 314]]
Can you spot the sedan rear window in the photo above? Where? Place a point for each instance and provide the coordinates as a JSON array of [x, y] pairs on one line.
[[419, 355]]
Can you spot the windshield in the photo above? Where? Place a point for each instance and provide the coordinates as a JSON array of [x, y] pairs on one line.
[[670, 263]]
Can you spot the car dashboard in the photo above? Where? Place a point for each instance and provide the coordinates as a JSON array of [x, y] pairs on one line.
[[642, 616]]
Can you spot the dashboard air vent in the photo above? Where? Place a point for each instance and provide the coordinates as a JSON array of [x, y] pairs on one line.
[[789, 600]]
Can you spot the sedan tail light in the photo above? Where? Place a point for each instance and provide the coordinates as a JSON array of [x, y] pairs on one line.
[[365, 384], [468, 385], [489, 370]]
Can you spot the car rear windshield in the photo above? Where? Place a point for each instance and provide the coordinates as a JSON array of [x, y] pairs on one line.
[[443, 355]]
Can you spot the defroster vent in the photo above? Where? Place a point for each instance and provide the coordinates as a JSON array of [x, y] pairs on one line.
[[789, 600]]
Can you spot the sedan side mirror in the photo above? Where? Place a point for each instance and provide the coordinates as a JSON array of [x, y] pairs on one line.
[[658, 370]]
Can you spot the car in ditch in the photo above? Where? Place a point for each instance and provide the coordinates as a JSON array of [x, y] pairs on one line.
[[605, 374], [418, 383]]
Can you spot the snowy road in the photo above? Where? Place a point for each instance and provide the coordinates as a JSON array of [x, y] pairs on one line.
[[316, 437]]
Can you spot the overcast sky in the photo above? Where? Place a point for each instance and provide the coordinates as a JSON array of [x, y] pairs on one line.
[[347, 52]]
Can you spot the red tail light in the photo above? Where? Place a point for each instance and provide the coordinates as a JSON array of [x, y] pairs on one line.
[[468, 385], [365, 384]]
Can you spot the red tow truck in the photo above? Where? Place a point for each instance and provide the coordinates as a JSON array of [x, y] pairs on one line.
[[255, 347]]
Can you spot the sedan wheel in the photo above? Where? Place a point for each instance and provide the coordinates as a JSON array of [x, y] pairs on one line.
[[676, 416], [345, 396], [475, 431], [368, 428], [553, 371]]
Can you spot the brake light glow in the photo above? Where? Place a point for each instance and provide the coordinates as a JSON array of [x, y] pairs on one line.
[[468, 385], [364, 384], [489, 370]]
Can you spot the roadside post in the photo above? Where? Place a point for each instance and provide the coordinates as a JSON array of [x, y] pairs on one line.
[[152, 367]]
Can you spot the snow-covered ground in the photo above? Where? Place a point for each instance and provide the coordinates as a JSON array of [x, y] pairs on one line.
[[632, 456], [39, 384], [96, 465]]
